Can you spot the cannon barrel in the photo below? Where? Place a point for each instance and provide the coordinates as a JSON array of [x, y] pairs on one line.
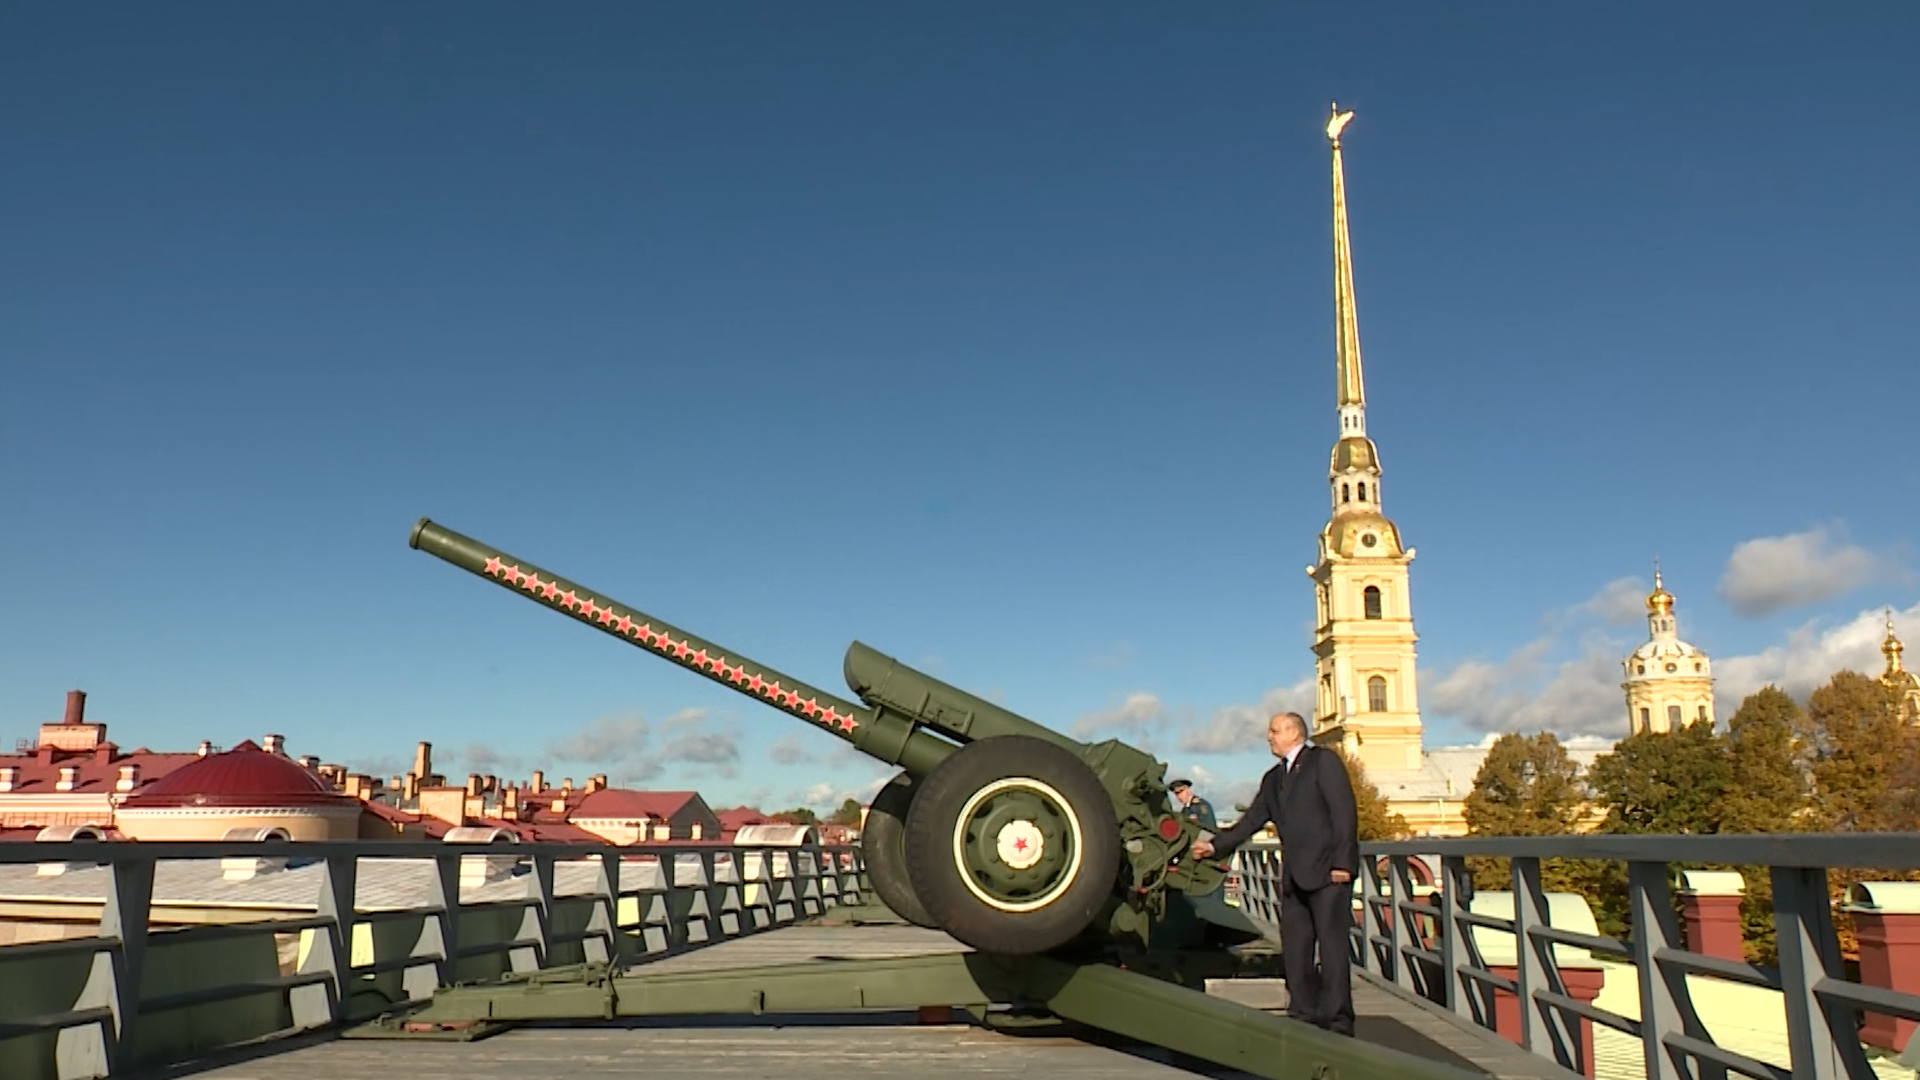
[[875, 732], [1004, 833]]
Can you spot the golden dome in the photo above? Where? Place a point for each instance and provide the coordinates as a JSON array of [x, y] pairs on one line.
[[1659, 601], [1355, 452], [1361, 533], [1891, 647]]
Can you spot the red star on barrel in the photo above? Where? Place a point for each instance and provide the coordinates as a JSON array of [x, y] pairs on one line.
[[847, 722], [810, 707], [754, 684], [625, 624], [492, 567]]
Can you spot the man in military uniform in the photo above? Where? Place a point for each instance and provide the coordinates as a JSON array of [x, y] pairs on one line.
[[1192, 806]]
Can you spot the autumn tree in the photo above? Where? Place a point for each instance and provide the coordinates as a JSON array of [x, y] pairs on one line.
[[1853, 737], [1526, 786], [1858, 751], [1377, 822]]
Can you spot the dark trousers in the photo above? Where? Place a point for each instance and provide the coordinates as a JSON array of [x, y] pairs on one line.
[[1322, 993]]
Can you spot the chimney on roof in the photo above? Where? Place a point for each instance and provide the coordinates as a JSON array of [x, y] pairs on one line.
[[309, 762], [510, 800], [69, 778], [129, 778], [423, 760], [76, 707], [274, 744], [205, 748], [539, 783], [473, 784], [9, 776], [566, 785], [596, 782]]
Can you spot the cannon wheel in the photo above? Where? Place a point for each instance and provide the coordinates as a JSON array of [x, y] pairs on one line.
[[884, 840], [1012, 845]]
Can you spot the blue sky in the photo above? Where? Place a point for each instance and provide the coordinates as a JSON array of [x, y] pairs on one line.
[[998, 339]]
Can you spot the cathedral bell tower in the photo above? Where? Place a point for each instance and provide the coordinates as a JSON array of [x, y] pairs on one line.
[[1367, 698]]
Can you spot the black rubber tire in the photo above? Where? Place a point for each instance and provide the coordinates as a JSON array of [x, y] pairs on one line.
[[884, 842], [939, 882]]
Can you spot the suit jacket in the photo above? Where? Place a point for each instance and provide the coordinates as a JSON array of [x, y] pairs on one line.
[[1312, 809]]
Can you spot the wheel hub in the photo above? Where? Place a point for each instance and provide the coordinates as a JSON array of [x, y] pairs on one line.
[[1021, 843]]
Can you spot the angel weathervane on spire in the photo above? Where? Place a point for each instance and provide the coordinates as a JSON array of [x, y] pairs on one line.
[[1338, 123]]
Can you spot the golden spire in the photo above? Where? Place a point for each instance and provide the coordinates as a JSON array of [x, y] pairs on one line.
[[1352, 389], [1891, 647]]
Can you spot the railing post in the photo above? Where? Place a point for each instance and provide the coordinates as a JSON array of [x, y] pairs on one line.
[[1456, 895], [114, 978], [1400, 882], [1823, 1039], [1536, 967], [1666, 1007], [536, 923], [446, 888], [1371, 921], [316, 1006], [604, 918]]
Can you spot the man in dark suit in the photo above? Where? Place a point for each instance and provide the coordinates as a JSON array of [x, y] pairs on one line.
[[1309, 799]]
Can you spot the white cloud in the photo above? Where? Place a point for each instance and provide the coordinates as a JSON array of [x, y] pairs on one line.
[[789, 751], [1811, 655], [1618, 603], [624, 745], [1528, 692], [1775, 573], [1142, 715], [1243, 727]]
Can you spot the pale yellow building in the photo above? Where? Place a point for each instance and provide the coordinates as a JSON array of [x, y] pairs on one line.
[[1669, 683], [1904, 684]]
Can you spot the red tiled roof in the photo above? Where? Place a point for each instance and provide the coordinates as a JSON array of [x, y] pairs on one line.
[[732, 820], [621, 803], [243, 776], [98, 773]]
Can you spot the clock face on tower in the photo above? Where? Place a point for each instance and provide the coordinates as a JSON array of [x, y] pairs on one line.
[[1368, 539]]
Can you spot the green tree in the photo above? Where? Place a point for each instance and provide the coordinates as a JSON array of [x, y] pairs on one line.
[[1526, 786], [1768, 793], [1664, 782], [848, 814], [1768, 780], [799, 815]]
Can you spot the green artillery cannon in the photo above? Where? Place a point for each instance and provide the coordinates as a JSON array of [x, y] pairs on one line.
[[1057, 861], [1007, 835]]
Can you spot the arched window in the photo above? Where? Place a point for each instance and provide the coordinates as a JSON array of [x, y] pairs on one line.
[[1377, 694], [1346, 493], [1370, 598], [1702, 718], [1363, 491], [1673, 716], [1646, 720]]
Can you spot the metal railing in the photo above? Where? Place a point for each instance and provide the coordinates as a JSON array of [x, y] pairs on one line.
[[1428, 947], [164, 952]]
